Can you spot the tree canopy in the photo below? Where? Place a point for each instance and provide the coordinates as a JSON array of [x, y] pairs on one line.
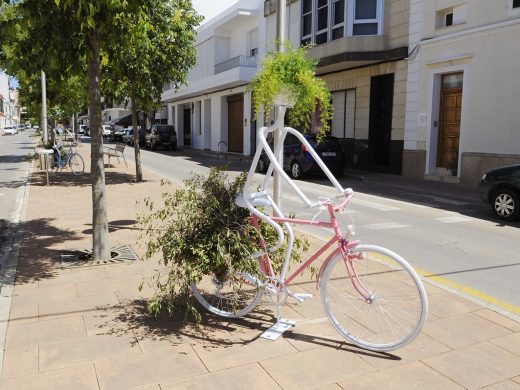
[[115, 43]]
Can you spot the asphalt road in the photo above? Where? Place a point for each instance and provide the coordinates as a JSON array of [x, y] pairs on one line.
[[450, 236], [14, 169]]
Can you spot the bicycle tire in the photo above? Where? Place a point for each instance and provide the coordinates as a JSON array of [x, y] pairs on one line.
[[76, 164], [398, 307], [229, 296]]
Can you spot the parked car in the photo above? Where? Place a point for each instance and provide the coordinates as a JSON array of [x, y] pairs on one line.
[[10, 130], [299, 162], [161, 135], [129, 137], [117, 135], [107, 131], [82, 129], [501, 188]]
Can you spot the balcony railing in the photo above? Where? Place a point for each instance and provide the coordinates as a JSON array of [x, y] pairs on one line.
[[235, 62]]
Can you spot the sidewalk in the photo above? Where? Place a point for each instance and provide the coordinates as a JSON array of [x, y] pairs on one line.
[[85, 327]]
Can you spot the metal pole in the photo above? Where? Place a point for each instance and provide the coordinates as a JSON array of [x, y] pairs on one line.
[[44, 109], [277, 180]]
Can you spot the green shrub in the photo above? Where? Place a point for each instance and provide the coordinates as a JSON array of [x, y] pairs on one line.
[[199, 230], [293, 72]]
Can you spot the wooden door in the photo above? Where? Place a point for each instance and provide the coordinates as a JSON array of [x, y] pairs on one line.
[[235, 123], [187, 127], [449, 128]]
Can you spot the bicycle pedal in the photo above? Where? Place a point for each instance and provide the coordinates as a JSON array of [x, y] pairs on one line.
[[301, 297]]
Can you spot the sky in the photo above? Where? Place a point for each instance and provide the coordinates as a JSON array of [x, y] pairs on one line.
[[211, 8]]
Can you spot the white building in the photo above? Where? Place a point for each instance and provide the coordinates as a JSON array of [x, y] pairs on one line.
[[214, 111], [5, 107], [463, 89]]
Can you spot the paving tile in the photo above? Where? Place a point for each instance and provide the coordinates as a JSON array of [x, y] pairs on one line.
[[91, 349], [409, 376], [312, 334], [24, 335], [107, 286], [464, 329], [77, 378], [44, 295], [75, 276], [516, 379], [78, 306], [510, 343], [448, 304], [18, 362], [499, 319], [23, 314], [314, 368], [333, 386], [476, 366], [251, 376], [506, 385], [238, 354], [422, 347], [149, 368]]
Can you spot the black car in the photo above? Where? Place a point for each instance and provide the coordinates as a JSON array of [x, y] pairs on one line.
[[299, 162], [501, 188], [161, 135]]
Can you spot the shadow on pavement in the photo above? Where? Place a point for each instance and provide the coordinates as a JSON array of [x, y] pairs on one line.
[[37, 260], [65, 179]]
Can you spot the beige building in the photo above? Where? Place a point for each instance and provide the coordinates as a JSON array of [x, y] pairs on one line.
[[362, 47], [463, 89]]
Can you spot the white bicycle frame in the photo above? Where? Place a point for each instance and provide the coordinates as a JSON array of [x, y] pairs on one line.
[[263, 197]]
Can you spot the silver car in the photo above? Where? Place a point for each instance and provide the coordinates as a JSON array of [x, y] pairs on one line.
[[10, 130]]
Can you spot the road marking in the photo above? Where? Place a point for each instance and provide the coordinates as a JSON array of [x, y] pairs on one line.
[[441, 200], [454, 219], [482, 296], [385, 225], [373, 205]]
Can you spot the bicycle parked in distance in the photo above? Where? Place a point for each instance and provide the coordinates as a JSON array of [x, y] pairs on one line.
[[68, 159], [371, 295]]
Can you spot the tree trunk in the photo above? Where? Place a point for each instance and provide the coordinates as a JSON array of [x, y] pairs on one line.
[[138, 168], [100, 245]]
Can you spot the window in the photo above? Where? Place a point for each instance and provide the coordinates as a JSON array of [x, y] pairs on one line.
[[252, 42], [327, 20], [451, 16], [448, 19], [516, 3], [365, 17], [338, 19]]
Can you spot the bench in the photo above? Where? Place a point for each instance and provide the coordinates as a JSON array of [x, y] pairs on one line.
[[117, 151]]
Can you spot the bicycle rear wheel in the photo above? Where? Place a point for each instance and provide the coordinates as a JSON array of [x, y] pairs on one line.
[[76, 164], [229, 295], [389, 309]]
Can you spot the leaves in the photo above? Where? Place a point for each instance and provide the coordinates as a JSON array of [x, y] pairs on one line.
[[199, 230], [293, 71]]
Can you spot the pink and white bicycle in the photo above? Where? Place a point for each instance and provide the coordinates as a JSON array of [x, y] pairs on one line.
[[371, 295]]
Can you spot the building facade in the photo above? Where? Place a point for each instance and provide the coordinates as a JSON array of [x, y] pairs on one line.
[[463, 89], [362, 46], [213, 111]]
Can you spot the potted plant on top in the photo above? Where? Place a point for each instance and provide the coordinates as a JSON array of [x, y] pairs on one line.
[[289, 79]]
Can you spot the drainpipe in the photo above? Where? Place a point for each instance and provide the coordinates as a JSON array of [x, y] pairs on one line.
[[277, 180]]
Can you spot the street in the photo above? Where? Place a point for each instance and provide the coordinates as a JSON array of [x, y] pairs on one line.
[[453, 239], [14, 169]]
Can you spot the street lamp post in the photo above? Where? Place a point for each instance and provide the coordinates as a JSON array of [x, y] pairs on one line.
[[44, 109], [277, 180]]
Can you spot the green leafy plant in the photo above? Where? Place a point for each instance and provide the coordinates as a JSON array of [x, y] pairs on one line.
[[291, 72], [199, 230]]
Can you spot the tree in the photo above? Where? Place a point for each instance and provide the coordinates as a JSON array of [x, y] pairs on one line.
[[61, 36], [159, 48]]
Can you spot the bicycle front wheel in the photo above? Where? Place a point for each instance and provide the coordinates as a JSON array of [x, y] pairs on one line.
[[380, 305], [229, 295], [76, 164]]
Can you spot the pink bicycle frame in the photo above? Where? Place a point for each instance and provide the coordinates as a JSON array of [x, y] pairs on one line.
[[344, 247]]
